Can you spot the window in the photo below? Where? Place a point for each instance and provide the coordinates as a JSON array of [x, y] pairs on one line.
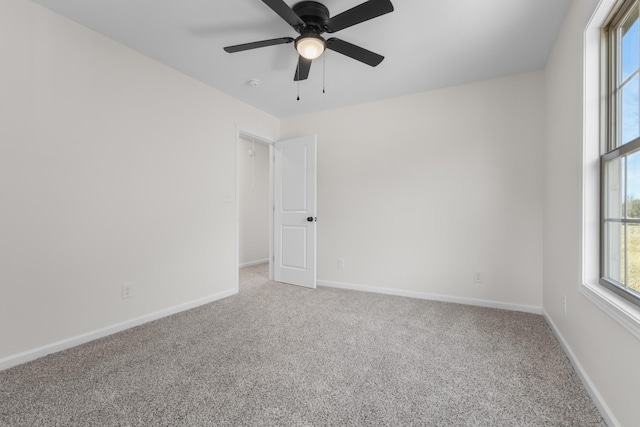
[[620, 163]]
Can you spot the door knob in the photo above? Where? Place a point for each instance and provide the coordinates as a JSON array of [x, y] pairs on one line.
[[311, 219]]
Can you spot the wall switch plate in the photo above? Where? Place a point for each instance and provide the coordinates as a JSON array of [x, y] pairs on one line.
[[478, 276], [127, 290], [340, 263], [564, 304]]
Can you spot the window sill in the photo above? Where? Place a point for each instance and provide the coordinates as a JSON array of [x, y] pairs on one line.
[[621, 310]]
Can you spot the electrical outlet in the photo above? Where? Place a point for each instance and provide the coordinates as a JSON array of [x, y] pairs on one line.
[[478, 276], [127, 290], [340, 263]]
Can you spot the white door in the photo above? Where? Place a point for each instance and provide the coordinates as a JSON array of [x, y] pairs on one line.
[[294, 231]]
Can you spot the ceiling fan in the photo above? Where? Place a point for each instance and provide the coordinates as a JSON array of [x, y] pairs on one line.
[[311, 19]]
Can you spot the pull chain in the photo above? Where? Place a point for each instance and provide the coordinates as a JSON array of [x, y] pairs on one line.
[[324, 61], [298, 73]]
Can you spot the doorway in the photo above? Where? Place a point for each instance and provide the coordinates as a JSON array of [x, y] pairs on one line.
[[254, 200], [276, 187]]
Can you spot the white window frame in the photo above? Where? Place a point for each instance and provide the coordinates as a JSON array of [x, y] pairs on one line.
[[615, 148], [594, 135]]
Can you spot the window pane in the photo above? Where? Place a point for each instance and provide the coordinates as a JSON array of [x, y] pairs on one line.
[[633, 257], [633, 185], [629, 46], [614, 248], [630, 110], [614, 185]]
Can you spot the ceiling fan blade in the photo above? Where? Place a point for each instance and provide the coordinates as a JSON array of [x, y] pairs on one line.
[[255, 45], [302, 70], [285, 12], [356, 52], [363, 12]]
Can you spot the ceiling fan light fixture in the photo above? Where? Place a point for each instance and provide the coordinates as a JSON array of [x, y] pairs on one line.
[[310, 47]]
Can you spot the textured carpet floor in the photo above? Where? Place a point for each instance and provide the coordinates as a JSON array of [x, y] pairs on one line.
[[282, 355]]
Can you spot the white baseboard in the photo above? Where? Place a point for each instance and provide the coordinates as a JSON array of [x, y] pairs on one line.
[[29, 355], [433, 297], [250, 263], [602, 406]]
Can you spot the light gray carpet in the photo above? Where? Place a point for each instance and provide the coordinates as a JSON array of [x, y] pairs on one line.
[[282, 355]]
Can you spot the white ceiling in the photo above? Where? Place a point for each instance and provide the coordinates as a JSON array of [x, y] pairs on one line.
[[427, 44]]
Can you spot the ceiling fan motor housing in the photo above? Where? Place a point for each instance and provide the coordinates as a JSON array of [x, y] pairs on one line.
[[313, 14]]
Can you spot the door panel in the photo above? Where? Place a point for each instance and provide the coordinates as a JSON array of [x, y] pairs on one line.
[[294, 239], [294, 176], [295, 203]]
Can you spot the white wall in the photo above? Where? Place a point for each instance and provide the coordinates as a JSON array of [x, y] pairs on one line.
[[253, 194], [112, 168], [605, 350], [417, 192]]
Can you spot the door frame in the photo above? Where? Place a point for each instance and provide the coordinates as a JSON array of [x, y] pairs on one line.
[[243, 132]]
